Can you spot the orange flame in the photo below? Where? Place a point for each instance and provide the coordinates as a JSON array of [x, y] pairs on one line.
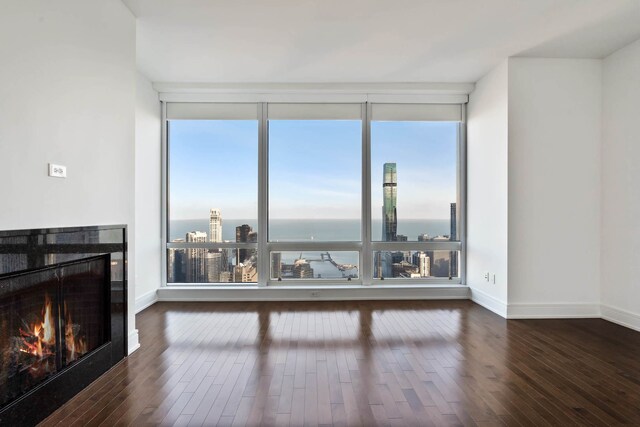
[[76, 346], [40, 339]]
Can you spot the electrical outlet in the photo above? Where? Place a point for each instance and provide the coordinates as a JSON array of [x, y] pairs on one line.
[[315, 294], [486, 276], [57, 171]]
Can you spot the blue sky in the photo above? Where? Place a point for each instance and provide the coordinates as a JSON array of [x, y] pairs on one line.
[[315, 168]]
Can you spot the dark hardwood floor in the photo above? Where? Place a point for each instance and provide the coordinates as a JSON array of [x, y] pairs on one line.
[[401, 363]]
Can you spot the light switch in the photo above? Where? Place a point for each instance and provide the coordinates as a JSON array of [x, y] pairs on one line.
[[57, 171]]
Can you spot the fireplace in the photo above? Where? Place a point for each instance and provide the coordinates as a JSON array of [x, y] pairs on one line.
[[49, 319], [62, 315]]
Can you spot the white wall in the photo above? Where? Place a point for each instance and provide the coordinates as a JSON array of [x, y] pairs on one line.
[[487, 191], [621, 187], [148, 204], [67, 96], [554, 185]]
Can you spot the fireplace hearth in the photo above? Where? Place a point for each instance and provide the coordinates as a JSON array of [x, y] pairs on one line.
[[62, 315]]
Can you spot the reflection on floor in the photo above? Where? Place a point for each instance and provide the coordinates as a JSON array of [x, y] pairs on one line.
[[398, 363]]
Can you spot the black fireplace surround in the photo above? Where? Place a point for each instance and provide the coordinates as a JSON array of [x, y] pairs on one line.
[[63, 315]]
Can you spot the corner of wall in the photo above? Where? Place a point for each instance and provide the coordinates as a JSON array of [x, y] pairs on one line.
[[133, 340], [487, 195], [620, 208], [489, 302], [148, 249]]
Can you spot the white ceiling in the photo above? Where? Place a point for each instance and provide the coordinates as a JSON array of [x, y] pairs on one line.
[[244, 41]]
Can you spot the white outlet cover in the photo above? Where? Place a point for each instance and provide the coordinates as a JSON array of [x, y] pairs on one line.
[[57, 171]]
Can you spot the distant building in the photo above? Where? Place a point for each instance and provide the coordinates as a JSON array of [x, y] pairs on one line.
[[401, 238], [195, 260], [215, 225], [440, 264], [421, 260], [176, 265], [389, 200], [383, 264], [214, 266], [453, 219], [226, 277], [245, 234], [423, 237], [453, 236], [397, 256], [302, 269], [276, 265], [242, 233], [286, 270], [405, 269], [245, 273]]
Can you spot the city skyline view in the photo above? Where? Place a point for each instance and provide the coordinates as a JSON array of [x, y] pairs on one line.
[[201, 265], [203, 154], [315, 184]]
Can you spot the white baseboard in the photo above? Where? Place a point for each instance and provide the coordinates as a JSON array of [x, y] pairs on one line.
[[146, 300], [553, 311], [620, 316], [134, 342], [193, 293], [489, 302], [353, 293]]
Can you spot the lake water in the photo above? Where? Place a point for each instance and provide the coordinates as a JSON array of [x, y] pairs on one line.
[[330, 230]]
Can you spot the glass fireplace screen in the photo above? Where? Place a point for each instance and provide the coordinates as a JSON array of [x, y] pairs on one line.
[[50, 318]]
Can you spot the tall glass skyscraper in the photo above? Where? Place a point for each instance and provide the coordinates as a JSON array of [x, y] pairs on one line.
[[390, 196], [453, 236]]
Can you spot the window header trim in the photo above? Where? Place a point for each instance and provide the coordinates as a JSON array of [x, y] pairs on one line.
[[316, 97]]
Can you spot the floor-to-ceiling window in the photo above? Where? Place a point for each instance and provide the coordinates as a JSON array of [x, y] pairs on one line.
[[415, 191], [280, 193]]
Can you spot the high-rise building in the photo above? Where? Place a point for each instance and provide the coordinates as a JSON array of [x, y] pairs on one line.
[[453, 219], [439, 260], [243, 273], [215, 225], [276, 265], [226, 276], [214, 266], [245, 234], [383, 263], [176, 259], [196, 258], [302, 269], [389, 198], [405, 269], [242, 233], [421, 260], [453, 236]]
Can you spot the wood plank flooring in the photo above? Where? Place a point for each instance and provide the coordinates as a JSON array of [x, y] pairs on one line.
[[391, 363]]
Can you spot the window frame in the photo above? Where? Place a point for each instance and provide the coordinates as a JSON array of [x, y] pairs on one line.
[[366, 247]]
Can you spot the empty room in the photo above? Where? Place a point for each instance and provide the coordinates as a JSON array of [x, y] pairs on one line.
[[319, 213]]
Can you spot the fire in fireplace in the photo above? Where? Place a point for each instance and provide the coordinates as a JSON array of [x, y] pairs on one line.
[[49, 319], [36, 344]]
